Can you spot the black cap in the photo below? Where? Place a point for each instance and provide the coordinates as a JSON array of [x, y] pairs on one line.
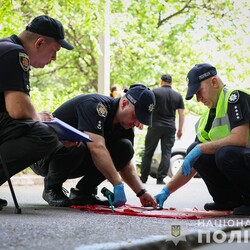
[[196, 75], [144, 101], [47, 26], [166, 78]]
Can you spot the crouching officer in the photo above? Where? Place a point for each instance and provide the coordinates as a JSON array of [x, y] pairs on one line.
[[221, 153], [109, 122], [23, 138]]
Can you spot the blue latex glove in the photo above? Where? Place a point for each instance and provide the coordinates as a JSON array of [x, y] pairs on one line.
[[162, 196], [190, 159], [119, 195]]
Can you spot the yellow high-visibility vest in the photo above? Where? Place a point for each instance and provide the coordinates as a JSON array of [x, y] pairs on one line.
[[221, 126]]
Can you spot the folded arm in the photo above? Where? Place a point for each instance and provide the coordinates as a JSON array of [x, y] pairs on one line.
[[19, 106]]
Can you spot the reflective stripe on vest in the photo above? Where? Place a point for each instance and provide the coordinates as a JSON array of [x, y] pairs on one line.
[[221, 126]]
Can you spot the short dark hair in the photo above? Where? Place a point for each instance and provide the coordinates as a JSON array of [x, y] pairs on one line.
[[166, 78]]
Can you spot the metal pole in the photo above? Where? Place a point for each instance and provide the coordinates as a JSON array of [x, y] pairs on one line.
[[104, 56]]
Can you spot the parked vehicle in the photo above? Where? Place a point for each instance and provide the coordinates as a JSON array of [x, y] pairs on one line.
[[177, 157], [179, 149]]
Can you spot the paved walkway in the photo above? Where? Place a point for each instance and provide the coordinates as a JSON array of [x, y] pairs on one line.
[[225, 238]]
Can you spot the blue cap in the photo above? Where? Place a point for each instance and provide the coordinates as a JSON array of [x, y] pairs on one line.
[[196, 75], [144, 101]]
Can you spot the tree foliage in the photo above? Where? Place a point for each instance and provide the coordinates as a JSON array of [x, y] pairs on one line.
[[148, 38]]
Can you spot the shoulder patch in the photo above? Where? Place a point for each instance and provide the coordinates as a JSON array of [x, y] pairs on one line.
[[234, 97], [24, 61], [101, 110]]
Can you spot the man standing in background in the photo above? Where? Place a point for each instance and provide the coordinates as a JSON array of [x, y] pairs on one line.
[[163, 128]]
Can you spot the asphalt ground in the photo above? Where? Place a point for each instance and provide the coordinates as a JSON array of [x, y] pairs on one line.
[[43, 227]]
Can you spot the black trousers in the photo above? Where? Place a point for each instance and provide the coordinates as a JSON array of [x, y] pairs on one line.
[[153, 136], [70, 163], [23, 143], [226, 174]]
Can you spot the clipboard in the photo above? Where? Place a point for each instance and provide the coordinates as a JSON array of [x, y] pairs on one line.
[[66, 132]]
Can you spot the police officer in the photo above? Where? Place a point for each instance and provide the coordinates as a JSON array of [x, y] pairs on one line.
[[109, 122], [23, 138], [221, 152]]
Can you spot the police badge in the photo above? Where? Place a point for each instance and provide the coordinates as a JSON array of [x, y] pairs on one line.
[[24, 61], [234, 97], [101, 110]]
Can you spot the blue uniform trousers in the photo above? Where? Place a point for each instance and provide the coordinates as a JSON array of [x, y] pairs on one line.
[[226, 173], [75, 162]]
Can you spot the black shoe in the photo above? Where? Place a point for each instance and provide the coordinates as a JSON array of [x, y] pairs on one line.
[[3, 203], [78, 199], [144, 179], [56, 197], [229, 205], [160, 181], [242, 210]]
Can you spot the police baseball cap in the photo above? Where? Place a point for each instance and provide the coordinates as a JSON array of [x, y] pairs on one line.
[[144, 101], [47, 26], [196, 75], [166, 78]]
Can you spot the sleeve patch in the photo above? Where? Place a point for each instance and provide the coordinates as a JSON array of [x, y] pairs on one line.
[[234, 97], [101, 110], [24, 61]]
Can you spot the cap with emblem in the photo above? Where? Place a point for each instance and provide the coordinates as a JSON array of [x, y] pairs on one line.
[[196, 75], [47, 26], [144, 101], [166, 78]]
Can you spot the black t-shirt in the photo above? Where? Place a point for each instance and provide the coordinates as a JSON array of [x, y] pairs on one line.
[[15, 67], [167, 102], [94, 113]]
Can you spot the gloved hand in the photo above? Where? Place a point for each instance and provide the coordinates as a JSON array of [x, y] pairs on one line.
[[190, 159], [119, 195], [162, 196]]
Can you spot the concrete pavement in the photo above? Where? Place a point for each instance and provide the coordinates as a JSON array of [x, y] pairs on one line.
[[138, 232]]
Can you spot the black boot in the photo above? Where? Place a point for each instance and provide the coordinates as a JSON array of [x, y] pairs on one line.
[[228, 205], [79, 199], [242, 210], [160, 181], [143, 179], [3, 203], [56, 197]]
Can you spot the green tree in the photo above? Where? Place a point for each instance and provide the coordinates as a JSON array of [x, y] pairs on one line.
[[148, 38]]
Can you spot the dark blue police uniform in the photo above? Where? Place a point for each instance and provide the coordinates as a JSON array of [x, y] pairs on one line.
[[22, 142], [90, 113], [227, 173]]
